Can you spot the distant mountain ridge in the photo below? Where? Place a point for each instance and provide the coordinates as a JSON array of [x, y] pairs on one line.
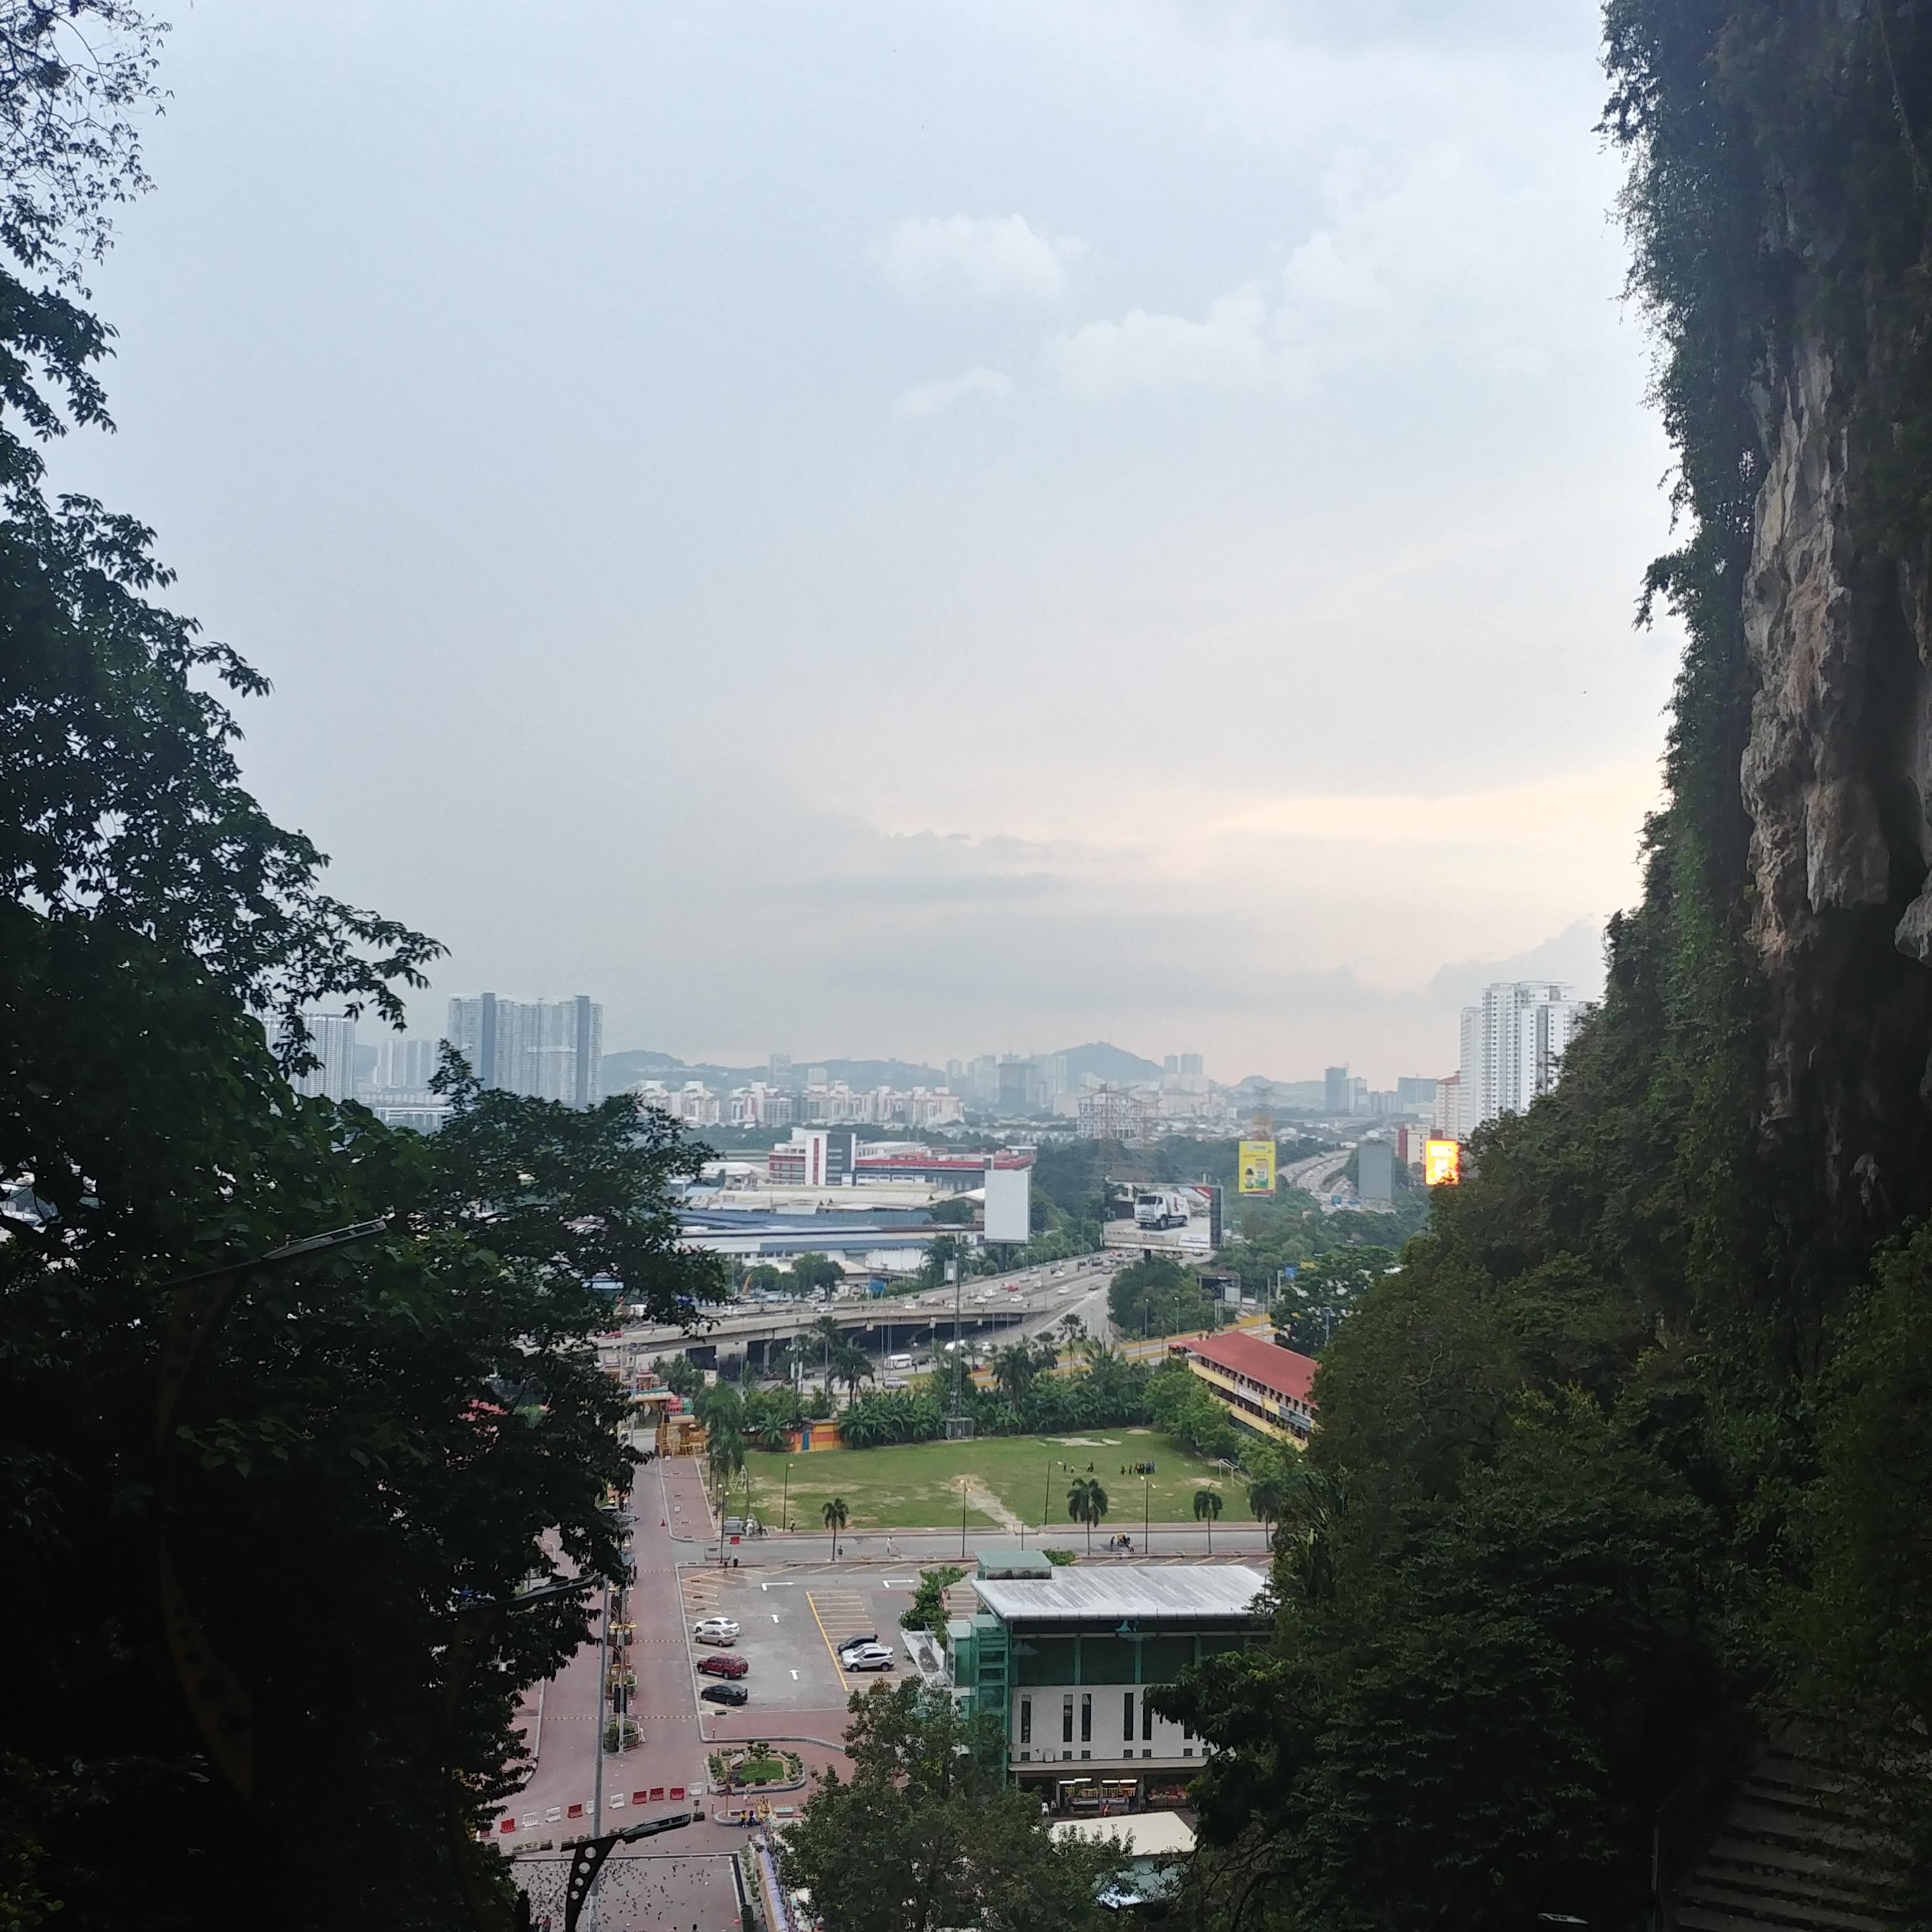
[[1106, 1061]]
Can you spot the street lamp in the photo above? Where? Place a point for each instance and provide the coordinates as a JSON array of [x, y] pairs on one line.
[[962, 1519], [784, 1507]]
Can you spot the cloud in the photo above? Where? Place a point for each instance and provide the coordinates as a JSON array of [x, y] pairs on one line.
[[985, 256], [1576, 954], [932, 399], [1234, 346], [1438, 260]]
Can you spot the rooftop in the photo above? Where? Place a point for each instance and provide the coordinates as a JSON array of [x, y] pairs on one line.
[[1181, 1593], [1010, 1563], [1149, 1834], [1281, 1369]]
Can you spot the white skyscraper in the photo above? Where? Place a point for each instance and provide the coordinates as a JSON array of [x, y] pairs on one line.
[[550, 1049], [331, 1038], [404, 1065], [1512, 1048]]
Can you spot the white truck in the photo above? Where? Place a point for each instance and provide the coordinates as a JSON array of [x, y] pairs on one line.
[[1159, 1207]]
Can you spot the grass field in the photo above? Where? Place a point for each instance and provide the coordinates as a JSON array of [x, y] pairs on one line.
[[917, 1485]]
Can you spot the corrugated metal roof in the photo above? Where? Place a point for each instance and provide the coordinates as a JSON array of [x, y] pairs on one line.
[[1179, 1593]]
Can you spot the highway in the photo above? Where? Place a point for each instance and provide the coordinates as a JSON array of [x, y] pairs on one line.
[[1024, 1303]]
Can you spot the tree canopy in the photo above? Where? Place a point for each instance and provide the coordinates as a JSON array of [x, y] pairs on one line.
[[371, 1441], [927, 1833]]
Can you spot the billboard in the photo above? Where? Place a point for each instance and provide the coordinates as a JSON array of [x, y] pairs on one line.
[[1178, 1218], [1442, 1163], [1009, 1202], [1255, 1168]]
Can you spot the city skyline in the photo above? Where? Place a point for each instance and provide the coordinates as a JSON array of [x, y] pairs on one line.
[[1072, 609]]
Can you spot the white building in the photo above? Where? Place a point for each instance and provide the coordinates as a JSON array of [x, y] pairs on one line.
[[550, 1049], [693, 1102], [331, 1038], [404, 1065], [1512, 1048], [761, 1106], [1066, 1658], [1118, 1113]]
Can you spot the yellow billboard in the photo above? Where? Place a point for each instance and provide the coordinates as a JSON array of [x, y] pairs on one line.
[[1257, 1168], [1442, 1163]]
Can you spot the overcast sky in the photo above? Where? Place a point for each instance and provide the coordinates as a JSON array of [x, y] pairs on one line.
[[918, 528]]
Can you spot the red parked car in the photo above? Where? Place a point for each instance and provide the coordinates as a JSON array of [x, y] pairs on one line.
[[722, 1663]]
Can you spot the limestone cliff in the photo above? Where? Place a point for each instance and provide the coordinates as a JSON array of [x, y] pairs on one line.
[[1837, 779]]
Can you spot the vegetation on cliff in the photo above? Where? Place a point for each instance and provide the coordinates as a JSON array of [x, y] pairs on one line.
[[1631, 1458]]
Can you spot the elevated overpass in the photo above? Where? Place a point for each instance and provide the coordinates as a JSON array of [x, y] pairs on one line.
[[989, 1308]]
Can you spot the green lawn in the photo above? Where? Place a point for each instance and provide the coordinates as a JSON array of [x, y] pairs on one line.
[[917, 1485]]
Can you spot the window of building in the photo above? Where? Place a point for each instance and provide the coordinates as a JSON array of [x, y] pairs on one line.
[[1026, 1720], [1127, 1716], [1067, 1719], [1087, 1716], [1147, 1721]]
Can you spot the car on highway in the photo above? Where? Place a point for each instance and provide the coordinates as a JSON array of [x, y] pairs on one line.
[[867, 1657], [725, 1693], [716, 1630], [722, 1663]]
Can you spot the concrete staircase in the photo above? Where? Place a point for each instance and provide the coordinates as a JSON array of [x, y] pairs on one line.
[[1794, 1853]]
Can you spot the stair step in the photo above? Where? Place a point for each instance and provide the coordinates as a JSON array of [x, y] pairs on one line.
[[1749, 1855], [1754, 1906], [1747, 1819]]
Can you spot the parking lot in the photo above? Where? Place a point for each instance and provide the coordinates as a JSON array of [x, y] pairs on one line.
[[789, 1629]]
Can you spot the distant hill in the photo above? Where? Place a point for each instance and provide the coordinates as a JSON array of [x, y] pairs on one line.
[[1108, 1062]]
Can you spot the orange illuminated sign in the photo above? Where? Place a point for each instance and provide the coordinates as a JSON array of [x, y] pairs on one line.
[[1442, 1163]]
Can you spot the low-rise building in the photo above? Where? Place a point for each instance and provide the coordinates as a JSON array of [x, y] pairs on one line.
[[1066, 1658], [1263, 1387]]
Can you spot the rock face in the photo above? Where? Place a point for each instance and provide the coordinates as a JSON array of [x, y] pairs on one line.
[[1837, 781]]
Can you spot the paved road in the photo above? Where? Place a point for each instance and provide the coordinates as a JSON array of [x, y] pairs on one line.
[[793, 1604], [1190, 1540]]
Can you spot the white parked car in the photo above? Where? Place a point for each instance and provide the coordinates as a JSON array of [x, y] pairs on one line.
[[867, 1657], [716, 1630]]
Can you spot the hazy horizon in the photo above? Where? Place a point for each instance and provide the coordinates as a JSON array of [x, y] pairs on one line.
[[931, 532]]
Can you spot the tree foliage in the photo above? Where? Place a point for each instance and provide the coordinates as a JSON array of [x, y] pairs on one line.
[[371, 1440], [927, 1833]]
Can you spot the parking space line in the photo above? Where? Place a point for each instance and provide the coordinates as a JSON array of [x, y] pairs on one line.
[[821, 1622]]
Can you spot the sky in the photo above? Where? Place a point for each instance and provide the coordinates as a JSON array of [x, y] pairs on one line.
[[918, 528]]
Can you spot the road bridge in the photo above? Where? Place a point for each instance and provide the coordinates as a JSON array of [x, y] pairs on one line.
[[1007, 1306]]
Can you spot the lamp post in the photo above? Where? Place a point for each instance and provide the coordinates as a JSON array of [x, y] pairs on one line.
[[784, 1507], [962, 1519], [1147, 1513]]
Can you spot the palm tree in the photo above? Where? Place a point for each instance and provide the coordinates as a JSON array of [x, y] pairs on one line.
[[852, 1366], [1014, 1369], [836, 1516], [1267, 1496], [1207, 1508], [725, 1451], [1086, 1502], [827, 1329]]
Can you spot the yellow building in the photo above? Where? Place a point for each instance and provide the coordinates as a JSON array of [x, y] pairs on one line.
[[1263, 1387]]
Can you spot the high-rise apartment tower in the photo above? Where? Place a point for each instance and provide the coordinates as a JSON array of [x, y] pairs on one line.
[[551, 1049]]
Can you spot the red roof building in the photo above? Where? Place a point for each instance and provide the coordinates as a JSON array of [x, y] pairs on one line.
[[1264, 1387]]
